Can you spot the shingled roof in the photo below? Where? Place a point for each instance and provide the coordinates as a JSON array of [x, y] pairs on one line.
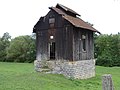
[[77, 22]]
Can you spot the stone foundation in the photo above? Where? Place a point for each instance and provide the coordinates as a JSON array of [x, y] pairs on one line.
[[38, 65], [78, 69]]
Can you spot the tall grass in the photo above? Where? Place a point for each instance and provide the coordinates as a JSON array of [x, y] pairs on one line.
[[21, 76]]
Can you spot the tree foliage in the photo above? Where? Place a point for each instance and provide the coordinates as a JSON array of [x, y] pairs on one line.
[[107, 50], [19, 49], [4, 44]]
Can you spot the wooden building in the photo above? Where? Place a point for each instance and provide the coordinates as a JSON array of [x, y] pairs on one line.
[[62, 35]]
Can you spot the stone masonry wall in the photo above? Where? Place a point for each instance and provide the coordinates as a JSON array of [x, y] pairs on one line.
[[78, 69]]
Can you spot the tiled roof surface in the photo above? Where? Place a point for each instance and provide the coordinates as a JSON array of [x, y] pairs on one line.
[[77, 22]]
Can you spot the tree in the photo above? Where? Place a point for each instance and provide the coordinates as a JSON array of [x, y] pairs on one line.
[[22, 49], [4, 44], [107, 48], [6, 37]]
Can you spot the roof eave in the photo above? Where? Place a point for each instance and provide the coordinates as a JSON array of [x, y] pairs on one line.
[[93, 30]]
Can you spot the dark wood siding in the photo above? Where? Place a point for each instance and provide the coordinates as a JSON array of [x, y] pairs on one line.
[[68, 43], [67, 38], [78, 53], [42, 45], [64, 41], [77, 44]]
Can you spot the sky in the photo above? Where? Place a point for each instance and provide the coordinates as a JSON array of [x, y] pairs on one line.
[[18, 17]]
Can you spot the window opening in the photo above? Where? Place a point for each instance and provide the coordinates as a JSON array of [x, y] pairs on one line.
[[52, 22], [84, 42]]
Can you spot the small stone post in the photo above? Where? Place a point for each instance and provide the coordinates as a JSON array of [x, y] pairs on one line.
[[107, 83]]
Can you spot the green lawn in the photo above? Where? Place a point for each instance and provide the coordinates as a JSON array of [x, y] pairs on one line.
[[21, 76]]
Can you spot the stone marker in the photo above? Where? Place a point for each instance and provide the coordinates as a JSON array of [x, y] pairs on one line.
[[107, 83]]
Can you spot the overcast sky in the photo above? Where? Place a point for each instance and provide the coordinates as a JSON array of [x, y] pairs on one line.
[[19, 16]]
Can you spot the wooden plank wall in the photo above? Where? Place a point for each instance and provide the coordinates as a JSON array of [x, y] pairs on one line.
[[78, 53], [64, 37], [68, 40], [42, 45]]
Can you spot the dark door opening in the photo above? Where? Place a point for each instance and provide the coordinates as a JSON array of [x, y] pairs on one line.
[[52, 50]]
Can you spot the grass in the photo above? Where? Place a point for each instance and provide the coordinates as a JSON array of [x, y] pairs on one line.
[[21, 76]]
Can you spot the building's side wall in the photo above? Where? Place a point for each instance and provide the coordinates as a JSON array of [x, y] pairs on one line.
[[90, 45], [78, 53]]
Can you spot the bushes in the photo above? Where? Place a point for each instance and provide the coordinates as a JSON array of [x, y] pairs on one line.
[[107, 49], [104, 60]]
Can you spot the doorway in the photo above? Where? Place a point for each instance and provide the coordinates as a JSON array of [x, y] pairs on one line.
[[52, 50]]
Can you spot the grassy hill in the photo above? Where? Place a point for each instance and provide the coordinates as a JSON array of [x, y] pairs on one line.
[[21, 76]]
